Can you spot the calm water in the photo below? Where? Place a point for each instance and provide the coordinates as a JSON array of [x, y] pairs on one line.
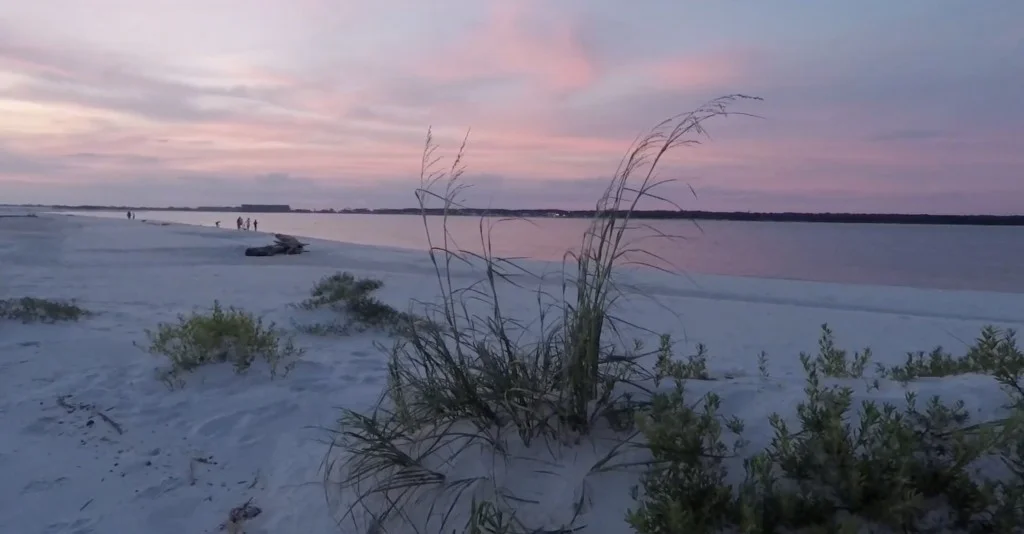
[[947, 257]]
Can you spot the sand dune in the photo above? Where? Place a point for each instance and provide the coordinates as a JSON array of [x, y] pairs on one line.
[[177, 461]]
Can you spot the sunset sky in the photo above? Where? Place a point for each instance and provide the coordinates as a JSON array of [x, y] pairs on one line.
[[880, 105]]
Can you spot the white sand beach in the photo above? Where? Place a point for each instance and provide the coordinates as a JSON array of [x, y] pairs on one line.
[[173, 461]]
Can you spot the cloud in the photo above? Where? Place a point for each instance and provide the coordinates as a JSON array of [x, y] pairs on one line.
[[907, 135], [517, 43], [17, 164], [124, 159], [328, 102], [106, 82]]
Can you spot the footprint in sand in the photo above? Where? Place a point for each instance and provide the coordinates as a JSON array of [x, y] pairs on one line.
[[37, 486], [173, 512], [78, 526], [164, 486], [740, 397], [41, 427], [311, 376], [364, 364], [239, 423]]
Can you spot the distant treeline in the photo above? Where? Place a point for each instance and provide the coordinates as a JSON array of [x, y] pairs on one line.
[[862, 218]]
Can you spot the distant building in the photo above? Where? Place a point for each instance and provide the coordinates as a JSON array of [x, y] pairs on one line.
[[264, 208]]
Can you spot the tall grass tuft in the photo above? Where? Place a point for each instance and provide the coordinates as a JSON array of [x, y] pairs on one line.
[[36, 310], [472, 386]]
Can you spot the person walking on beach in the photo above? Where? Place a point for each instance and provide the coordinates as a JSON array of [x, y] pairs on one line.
[[248, 223], [255, 225], [129, 215], [238, 222]]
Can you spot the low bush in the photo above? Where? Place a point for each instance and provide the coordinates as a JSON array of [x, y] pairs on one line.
[[221, 335], [694, 368], [352, 297], [988, 356], [834, 362], [36, 310], [843, 469]]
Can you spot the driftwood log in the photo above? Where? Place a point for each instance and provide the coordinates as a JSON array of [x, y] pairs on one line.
[[283, 244]]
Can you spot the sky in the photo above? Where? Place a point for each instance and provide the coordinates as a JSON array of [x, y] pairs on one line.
[[868, 106]]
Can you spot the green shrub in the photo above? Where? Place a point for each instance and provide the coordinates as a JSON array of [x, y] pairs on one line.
[[905, 469], [887, 469], [32, 310], [685, 489], [222, 335], [352, 297], [995, 353]]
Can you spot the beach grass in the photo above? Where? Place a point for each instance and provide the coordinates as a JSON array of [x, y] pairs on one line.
[[352, 299], [38, 310], [218, 336]]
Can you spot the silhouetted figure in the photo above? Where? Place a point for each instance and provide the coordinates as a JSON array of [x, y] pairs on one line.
[[129, 215], [217, 224], [255, 225], [248, 223], [238, 222]]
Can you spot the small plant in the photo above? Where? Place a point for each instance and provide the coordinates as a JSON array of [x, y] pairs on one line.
[[684, 488], [695, 367], [994, 353], [762, 365], [351, 296], [222, 335], [834, 362], [36, 310]]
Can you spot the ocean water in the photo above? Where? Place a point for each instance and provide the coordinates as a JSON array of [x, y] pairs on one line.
[[931, 256]]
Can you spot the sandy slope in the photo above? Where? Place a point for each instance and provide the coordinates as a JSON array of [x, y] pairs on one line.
[[68, 470]]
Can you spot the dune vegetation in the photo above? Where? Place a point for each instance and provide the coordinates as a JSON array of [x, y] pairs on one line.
[[37, 310], [473, 391], [483, 405]]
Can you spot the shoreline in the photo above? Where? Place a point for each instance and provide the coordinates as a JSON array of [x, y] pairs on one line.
[[541, 265], [902, 219], [260, 438]]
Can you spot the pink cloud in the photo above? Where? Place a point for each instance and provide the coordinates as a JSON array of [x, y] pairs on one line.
[[328, 95], [513, 42], [710, 70], [326, 133]]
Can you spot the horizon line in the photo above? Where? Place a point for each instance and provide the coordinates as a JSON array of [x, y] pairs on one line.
[[766, 216]]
